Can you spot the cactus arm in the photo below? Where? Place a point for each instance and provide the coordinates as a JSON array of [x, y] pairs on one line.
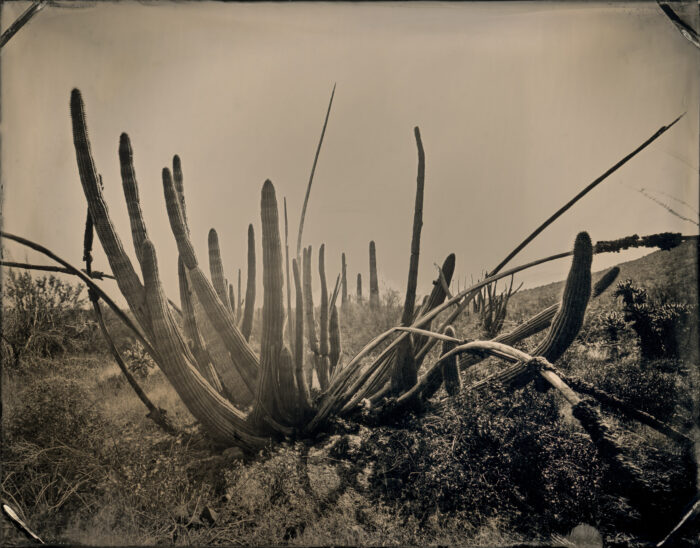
[[344, 280], [322, 363], [323, 307], [242, 356], [405, 369], [450, 371], [247, 325], [221, 419], [178, 179], [290, 316], [334, 338], [127, 278], [240, 297], [569, 318], [189, 325], [373, 280], [232, 300], [131, 193], [302, 384], [309, 302], [286, 391], [271, 343], [409, 302], [216, 268], [437, 297]]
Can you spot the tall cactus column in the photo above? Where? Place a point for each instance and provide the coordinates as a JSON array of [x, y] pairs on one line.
[[373, 280], [271, 343], [405, 373], [359, 287]]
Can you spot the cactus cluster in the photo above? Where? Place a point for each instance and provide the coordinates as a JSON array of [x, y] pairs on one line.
[[248, 400]]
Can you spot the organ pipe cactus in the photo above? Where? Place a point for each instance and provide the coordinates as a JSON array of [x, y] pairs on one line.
[[203, 360]]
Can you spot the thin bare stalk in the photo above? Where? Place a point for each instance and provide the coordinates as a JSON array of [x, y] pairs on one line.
[[311, 177]]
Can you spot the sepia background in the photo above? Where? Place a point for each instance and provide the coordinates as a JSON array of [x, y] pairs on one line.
[[519, 105]]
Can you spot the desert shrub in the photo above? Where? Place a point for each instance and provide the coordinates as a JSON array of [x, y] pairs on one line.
[[51, 448], [43, 317], [53, 410], [653, 387], [658, 323], [489, 455], [138, 361]]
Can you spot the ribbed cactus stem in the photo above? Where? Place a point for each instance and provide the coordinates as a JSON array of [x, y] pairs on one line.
[[344, 281], [405, 371], [240, 295], [191, 332], [287, 399], [242, 355], [373, 280], [334, 337], [131, 193], [410, 300], [450, 370], [247, 324], [569, 319], [605, 281], [323, 308], [180, 187], [271, 342], [436, 298], [301, 380], [221, 420], [290, 317], [216, 268], [359, 287], [127, 279], [309, 302], [232, 300]]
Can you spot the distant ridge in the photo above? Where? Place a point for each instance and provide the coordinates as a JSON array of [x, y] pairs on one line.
[[672, 272]]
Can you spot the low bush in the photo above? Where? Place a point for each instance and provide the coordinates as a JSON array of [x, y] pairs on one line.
[[491, 455]]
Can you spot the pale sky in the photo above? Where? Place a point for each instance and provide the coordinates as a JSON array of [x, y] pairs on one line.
[[519, 106]]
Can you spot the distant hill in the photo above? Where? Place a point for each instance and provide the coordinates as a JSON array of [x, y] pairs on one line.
[[672, 272]]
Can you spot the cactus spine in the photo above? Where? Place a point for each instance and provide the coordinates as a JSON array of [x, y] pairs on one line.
[[247, 322], [373, 280]]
